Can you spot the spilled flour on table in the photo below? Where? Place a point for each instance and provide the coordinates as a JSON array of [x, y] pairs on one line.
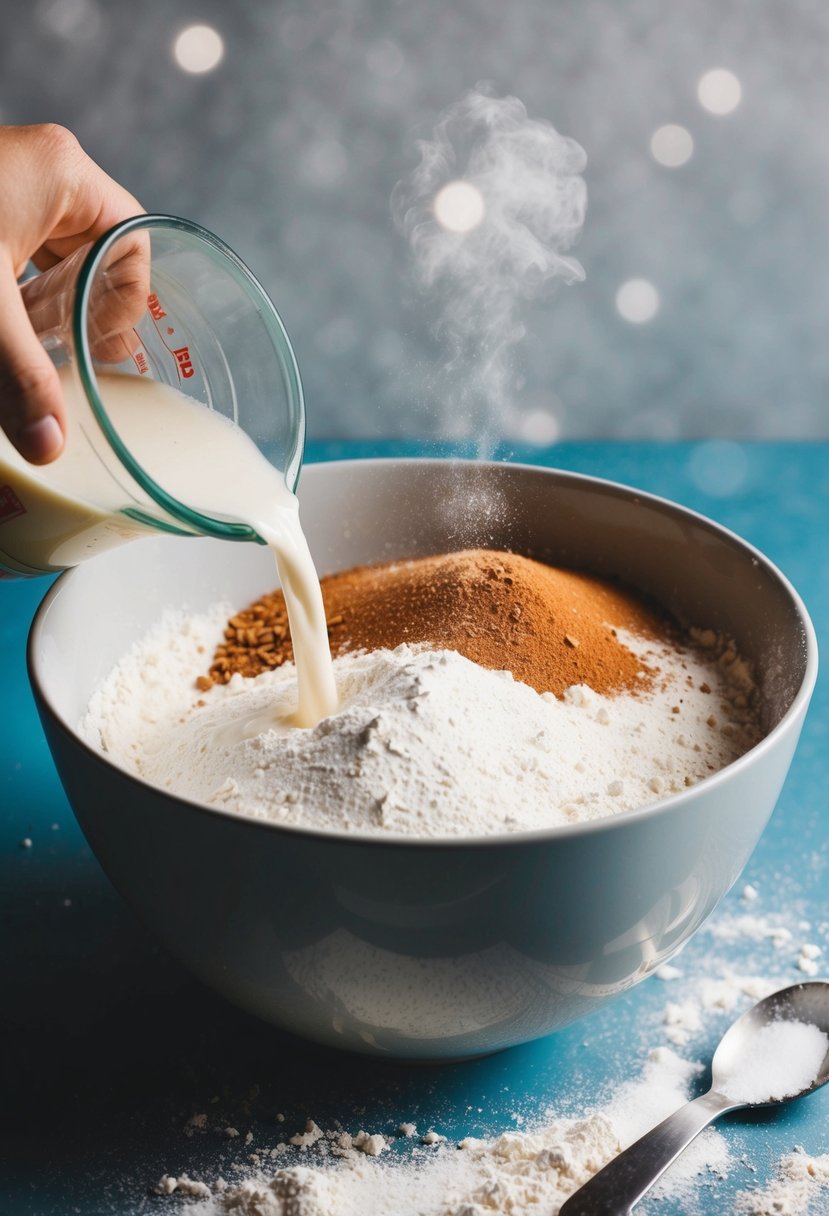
[[516, 1172], [801, 1183], [404, 1170]]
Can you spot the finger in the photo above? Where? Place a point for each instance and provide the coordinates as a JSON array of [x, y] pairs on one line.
[[31, 402], [44, 259], [114, 206], [88, 202], [118, 299], [57, 198]]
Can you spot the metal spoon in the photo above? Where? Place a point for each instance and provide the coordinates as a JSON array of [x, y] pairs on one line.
[[623, 1182]]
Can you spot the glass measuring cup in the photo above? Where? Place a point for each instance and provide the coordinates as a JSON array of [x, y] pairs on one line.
[[156, 301]]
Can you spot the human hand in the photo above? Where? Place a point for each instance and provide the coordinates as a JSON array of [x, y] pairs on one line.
[[53, 199]]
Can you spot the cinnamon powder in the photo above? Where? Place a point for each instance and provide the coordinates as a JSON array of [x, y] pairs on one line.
[[551, 628]]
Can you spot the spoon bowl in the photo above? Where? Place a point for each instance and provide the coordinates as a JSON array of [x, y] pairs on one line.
[[804, 1005]]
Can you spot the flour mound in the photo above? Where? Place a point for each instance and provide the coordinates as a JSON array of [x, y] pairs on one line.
[[425, 743]]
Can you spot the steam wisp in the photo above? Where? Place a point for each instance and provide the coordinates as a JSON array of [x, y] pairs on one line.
[[490, 211]]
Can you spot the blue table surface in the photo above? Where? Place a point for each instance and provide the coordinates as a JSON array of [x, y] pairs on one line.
[[109, 1045]]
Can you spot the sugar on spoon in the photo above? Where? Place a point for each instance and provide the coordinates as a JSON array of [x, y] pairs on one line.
[[776, 1051]]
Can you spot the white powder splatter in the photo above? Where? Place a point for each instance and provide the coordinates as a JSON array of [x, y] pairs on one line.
[[517, 1172], [328, 1173], [800, 1184]]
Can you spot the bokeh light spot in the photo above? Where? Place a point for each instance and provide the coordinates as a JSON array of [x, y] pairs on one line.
[[338, 337], [672, 146], [459, 206], [719, 467], [198, 48], [385, 59], [637, 301], [72, 20], [324, 162], [538, 427], [719, 91]]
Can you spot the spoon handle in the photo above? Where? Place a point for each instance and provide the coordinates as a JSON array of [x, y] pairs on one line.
[[624, 1180]]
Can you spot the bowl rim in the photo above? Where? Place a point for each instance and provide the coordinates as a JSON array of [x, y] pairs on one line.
[[676, 802]]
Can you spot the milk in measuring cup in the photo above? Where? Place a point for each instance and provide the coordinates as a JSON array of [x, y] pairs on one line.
[[56, 515]]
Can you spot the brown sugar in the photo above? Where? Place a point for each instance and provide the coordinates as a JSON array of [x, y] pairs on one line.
[[550, 627]]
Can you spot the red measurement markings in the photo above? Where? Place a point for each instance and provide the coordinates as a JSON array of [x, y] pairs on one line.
[[184, 361], [154, 306], [10, 505]]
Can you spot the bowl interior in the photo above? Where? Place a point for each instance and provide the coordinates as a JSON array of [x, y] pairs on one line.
[[366, 511]]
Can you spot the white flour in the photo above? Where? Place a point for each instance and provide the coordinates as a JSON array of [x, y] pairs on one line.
[[425, 743]]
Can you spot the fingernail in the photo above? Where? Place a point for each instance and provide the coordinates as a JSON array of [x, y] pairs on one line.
[[40, 441]]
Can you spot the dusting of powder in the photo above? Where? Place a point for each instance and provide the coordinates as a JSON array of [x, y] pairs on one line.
[[418, 733], [318, 1172], [799, 1184], [517, 1172]]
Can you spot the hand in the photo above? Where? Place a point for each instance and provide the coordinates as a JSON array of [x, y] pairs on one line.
[[53, 199]]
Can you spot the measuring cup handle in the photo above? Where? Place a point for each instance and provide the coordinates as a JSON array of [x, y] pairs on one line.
[[624, 1180]]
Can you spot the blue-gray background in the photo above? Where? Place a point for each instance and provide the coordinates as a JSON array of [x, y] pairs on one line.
[[290, 148]]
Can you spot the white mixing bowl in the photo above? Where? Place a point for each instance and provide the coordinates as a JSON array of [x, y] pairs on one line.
[[428, 948]]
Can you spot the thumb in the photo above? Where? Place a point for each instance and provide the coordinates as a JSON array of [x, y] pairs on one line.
[[31, 402]]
